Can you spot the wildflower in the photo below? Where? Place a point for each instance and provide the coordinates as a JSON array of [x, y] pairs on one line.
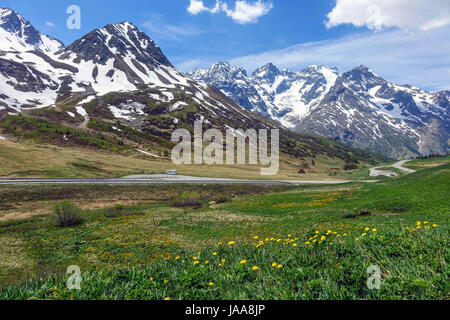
[[364, 234], [223, 261], [323, 238], [289, 235], [196, 262], [166, 281], [426, 222], [357, 239], [274, 264], [166, 298], [231, 243], [220, 243], [220, 264], [243, 262], [331, 243], [435, 225], [280, 266], [367, 229], [294, 244], [211, 284], [317, 232], [151, 279], [345, 234], [195, 258], [256, 237], [374, 230], [177, 258], [255, 268], [307, 243], [206, 262], [214, 253]]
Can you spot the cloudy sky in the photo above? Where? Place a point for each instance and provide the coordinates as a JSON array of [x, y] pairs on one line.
[[405, 41]]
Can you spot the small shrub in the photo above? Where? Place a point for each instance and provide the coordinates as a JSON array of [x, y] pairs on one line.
[[187, 199], [67, 214]]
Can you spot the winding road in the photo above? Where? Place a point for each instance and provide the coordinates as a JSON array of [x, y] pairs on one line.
[[166, 179], [376, 172]]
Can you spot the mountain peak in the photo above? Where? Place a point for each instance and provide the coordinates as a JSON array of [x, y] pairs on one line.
[[124, 40], [269, 71], [18, 34]]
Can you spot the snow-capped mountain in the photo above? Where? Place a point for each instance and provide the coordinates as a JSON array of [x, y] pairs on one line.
[[117, 77], [364, 110], [115, 58], [17, 34], [284, 96], [358, 108]]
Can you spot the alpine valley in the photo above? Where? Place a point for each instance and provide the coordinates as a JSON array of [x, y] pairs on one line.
[[358, 108], [114, 90]]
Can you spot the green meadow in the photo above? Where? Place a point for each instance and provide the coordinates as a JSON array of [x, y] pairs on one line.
[[291, 243]]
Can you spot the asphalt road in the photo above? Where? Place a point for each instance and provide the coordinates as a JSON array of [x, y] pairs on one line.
[[159, 181]]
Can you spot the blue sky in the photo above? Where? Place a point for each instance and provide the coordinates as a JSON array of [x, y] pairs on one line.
[[404, 41]]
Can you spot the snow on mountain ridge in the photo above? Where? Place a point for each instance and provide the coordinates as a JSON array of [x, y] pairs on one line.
[[18, 34]]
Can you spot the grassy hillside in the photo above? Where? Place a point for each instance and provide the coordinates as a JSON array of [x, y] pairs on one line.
[[67, 149], [302, 243]]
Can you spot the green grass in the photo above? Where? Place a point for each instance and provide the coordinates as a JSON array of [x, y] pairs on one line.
[[129, 253]]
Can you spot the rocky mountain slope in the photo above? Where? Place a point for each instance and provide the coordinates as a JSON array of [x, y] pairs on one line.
[[114, 88], [358, 107]]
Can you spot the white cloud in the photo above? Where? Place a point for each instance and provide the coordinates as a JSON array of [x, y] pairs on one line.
[[244, 11], [378, 14], [50, 24], [421, 59], [197, 6]]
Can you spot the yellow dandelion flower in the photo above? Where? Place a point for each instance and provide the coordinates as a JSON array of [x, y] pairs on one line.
[[231, 243], [256, 237], [206, 262], [214, 253], [307, 243], [243, 262], [345, 234], [166, 281], [317, 232], [367, 229], [151, 279], [357, 239], [364, 234], [223, 261], [435, 225], [211, 284], [196, 262], [166, 298], [255, 268], [280, 266], [177, 258], [294, 244], [220, 243], [323, 238], [374, 230], [220, 264], [274, 264]]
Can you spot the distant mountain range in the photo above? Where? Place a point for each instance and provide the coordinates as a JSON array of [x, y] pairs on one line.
[[116, 82], [358, 107]]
